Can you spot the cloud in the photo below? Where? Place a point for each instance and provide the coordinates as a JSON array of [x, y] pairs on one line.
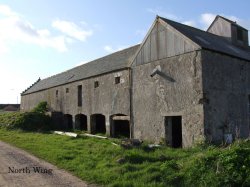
[[82, 62], [18, 30], [111, 49], [72, 30], [206, 19], [190, 23], [6, 11], [108, 48], [15, 28]]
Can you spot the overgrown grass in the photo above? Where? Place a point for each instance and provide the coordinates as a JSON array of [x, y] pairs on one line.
[[101, 162], [36, 120]]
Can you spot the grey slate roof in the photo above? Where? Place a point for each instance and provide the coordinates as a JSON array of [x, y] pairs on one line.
[[109, 63], [210, 41]]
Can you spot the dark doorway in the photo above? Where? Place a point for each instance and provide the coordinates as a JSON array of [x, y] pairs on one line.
[[173, 126], [81, 122], [98, 124], [57, 119], [121, 128], [67, 122]]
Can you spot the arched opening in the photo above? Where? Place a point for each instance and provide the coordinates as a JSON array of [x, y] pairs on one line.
[[120, 126], [57, 119], [67, 122], [98, 124], [81, 122]]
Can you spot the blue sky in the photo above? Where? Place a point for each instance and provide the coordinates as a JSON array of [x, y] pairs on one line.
[[44, 37]]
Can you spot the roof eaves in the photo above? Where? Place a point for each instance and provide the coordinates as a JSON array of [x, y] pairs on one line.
[[220, 52], [25, 92]]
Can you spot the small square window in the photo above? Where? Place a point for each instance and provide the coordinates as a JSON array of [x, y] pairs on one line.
[[96, 84], [117, 80], [56, 93], [67, 90]]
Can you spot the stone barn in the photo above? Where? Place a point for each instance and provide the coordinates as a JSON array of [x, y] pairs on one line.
[[180, 86]]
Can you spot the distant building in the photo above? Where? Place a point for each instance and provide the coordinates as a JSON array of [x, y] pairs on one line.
[[181, 85], [9, 107]]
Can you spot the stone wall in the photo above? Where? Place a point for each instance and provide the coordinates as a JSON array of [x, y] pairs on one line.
[[176, 91], [226, 85], [108, 99]]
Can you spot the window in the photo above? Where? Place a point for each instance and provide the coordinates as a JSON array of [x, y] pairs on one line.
[[239, 34], [79, 95], [117, 80], [67, 90], [96, 84], [56, 93]]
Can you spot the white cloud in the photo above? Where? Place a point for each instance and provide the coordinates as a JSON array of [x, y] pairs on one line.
[[190, 23], [72, 30], [82, 62], [108, 48], [206, 19], [15, 28], [111, 49], [6, 11]]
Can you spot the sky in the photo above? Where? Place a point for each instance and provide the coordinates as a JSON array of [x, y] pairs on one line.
[[45, 37]]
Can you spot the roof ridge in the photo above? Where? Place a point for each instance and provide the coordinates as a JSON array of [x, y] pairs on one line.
[[195, 28], [226, 19], [220, 44]]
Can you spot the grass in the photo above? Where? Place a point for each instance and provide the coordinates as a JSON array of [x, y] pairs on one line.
[[99, 161]]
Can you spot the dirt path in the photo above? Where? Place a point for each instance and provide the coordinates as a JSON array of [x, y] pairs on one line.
[[19, 168]]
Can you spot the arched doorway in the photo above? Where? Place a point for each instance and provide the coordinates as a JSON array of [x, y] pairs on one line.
[[120, 126], [67, 122], [81, 122], [98, 123]]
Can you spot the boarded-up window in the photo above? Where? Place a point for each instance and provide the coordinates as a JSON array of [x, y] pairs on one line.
[[79, 95]]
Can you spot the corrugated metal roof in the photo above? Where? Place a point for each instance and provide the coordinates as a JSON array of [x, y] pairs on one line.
[[109, 63], [210, 41]]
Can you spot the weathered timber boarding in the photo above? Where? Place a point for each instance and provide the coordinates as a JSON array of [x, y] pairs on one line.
[[180, 86]]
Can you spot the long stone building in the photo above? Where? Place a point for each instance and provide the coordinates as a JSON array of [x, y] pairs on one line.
[[180, 86]]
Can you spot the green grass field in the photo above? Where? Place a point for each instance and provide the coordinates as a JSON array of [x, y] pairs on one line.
[[96, 161]]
